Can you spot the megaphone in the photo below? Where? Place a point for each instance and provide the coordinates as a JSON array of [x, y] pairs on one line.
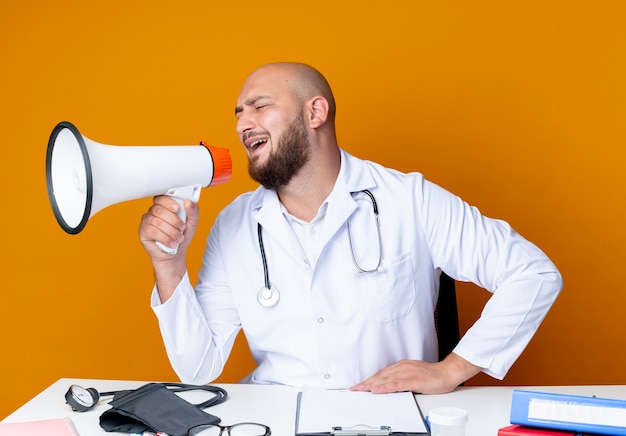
[[84, 176]]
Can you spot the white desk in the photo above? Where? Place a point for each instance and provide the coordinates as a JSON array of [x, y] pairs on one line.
[[275, 406]]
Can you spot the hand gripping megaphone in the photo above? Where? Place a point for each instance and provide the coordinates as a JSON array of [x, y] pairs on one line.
[[84, 176]]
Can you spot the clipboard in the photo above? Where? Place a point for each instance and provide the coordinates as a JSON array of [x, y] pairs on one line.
[[322, 412]]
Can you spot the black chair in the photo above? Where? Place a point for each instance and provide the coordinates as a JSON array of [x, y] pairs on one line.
[[447, 316]]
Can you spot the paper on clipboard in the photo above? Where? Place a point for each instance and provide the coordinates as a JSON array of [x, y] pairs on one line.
[[320, 410]]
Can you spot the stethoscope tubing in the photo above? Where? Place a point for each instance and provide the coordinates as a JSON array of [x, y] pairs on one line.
[[268, 296]]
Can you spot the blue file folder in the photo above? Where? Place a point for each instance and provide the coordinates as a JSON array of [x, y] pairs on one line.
[[569, 412]]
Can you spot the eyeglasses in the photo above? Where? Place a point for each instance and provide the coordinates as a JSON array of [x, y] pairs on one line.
[[241, 429]]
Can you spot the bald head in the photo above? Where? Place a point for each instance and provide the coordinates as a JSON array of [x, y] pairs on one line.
[[303, 80]]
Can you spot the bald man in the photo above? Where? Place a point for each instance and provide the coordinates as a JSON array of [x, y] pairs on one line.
[[331, 266]]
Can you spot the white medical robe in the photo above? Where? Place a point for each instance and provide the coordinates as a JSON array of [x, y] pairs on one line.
[[333, 325]]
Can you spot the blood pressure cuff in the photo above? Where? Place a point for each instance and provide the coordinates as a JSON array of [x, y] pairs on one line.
[[153, 407]]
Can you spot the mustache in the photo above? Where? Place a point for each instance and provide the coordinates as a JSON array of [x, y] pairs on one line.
[[250, 134]]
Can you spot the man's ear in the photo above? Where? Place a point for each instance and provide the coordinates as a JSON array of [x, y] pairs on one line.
[[317, 112]]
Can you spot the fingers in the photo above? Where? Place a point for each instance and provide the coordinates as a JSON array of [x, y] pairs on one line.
[[408, 375], [394, 378], [162, 224]]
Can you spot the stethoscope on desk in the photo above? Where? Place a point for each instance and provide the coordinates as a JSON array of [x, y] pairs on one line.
[[269, 295]]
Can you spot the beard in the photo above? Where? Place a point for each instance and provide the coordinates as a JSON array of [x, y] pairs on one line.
[[291, 154]]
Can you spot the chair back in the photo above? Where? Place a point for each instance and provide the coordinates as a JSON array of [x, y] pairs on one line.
[[446, 316]]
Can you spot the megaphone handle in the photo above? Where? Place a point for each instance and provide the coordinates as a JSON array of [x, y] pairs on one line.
[[183, 216]]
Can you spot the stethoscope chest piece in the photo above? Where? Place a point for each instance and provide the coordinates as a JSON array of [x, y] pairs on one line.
[[81, 399], [268, 296]]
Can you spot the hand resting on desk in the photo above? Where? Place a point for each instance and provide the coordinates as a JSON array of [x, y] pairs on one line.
[[420, 377]]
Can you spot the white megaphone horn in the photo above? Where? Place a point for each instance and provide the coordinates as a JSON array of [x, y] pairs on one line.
[[84, 176]]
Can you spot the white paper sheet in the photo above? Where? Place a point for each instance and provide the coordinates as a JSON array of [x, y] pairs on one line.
[[320, 410]]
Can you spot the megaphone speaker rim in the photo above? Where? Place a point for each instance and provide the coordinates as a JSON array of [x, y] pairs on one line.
[[88, 174]]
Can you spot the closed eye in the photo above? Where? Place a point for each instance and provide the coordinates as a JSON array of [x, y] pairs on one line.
[[258, 102]]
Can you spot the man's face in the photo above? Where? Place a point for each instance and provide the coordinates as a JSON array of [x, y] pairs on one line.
[[271, 128]]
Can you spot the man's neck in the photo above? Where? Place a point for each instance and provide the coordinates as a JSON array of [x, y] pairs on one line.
[[306, 192]]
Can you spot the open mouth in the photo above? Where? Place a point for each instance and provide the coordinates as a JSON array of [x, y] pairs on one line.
[[256, 144], [255, 140]]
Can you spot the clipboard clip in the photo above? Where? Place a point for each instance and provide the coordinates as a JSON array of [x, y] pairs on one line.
[[361, 430]]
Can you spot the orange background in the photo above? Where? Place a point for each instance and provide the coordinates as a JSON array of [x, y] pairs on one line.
[[517, 106]]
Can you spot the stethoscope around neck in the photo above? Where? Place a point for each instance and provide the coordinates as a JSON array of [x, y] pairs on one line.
[[269, 295]]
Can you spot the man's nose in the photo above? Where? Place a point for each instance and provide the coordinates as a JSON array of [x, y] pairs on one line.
[[244, 123]]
